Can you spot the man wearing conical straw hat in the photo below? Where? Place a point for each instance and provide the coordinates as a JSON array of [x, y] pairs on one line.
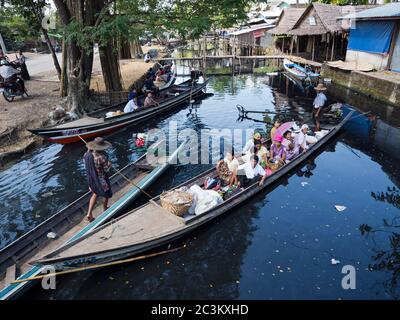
[[97, 169], [319, 103]]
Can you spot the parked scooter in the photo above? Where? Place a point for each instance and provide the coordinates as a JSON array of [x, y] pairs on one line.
[[11, 83]]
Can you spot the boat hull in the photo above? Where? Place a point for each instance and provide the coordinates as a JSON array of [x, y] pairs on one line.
[[66, 135]]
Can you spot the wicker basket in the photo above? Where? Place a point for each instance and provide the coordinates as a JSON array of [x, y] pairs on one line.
[[177, 202]]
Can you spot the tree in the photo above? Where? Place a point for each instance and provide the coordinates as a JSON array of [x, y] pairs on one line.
[[32, 12], [103, 22]]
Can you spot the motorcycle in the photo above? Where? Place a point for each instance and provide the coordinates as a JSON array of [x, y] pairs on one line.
[[13, 87]]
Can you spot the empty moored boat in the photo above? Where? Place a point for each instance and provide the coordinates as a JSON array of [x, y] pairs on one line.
[[297, 71]]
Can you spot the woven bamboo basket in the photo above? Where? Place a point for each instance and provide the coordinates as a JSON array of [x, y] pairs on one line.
[[177, 202]]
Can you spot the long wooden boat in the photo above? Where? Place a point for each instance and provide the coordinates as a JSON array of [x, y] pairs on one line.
[[297, 71], [70, 223], [150, 225], [96, 124]]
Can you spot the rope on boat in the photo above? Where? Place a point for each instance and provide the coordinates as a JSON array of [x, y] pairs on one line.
[[96, 266], [123, 176]]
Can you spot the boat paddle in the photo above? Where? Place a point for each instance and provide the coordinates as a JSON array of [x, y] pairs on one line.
[[123, 176]]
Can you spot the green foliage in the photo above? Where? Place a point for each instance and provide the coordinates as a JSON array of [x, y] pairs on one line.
[[187, 19], [15, 27]]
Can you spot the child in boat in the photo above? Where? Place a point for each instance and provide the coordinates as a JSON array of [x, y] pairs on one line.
[[227, 169], [250, 144], [261, 152], [277, 124], [277, 152], [290, 146], [149, 101]]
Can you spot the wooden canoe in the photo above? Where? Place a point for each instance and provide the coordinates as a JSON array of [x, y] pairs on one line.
[[297, 71], [96, 124], [150, 225], [70, 223]]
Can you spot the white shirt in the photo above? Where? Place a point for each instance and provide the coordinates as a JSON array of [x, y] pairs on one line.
[[301, 140], [319, 100], [200, 80], [232, 165], [250, 171], [249, 145], [130, 106]]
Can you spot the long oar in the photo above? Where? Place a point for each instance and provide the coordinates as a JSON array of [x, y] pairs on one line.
[[123, 176], [96, 266]]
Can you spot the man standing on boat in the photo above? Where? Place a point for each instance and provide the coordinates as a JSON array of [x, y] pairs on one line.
[[97, 169], [319, 103]]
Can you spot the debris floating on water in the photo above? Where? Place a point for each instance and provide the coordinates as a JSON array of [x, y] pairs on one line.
[[334, 261], [304, 183], [340, 208], [51, 235]]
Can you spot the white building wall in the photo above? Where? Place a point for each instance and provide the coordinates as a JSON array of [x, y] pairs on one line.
[[379, 61]]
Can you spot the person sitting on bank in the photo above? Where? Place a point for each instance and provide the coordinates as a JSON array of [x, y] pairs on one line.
[[319, 103], [131, 106], [97, 169], [301, 138], [149, 101], [250, 172], [291, 149], [277, 124], [250, 144], [227, 169], [278, 153]]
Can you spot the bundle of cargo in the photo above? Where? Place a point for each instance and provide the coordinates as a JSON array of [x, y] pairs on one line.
[[177, 202]]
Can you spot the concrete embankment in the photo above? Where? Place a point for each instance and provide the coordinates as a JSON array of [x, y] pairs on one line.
[[382, 86]]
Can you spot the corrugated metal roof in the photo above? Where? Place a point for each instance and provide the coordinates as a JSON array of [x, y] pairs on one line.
[[247, 30], [390, 10]]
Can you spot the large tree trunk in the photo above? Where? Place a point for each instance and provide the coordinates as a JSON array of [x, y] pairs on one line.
[[110, 68], [64, 75], [124, 50], [79, 60], [136, 48]]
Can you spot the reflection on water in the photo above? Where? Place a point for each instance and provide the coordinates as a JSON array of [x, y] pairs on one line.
[[278, 245]]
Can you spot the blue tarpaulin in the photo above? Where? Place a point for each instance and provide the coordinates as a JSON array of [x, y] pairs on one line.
[[371, 36]]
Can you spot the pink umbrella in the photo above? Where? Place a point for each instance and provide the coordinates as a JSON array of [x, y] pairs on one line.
[[284, 127]]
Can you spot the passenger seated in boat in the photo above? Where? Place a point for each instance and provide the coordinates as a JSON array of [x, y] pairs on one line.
[[301, 138], [132, 94], [277, 152], [131, 106], [260, 151], [277, 124], [227, 169], [149, 101], [292, 150], [151, 73], [250, 144], [250, 172], [149, 86]]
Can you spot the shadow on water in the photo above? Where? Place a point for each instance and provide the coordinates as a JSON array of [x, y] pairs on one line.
[[278, 245]]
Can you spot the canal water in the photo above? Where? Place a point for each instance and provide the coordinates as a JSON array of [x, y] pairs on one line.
[[277, 245]]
